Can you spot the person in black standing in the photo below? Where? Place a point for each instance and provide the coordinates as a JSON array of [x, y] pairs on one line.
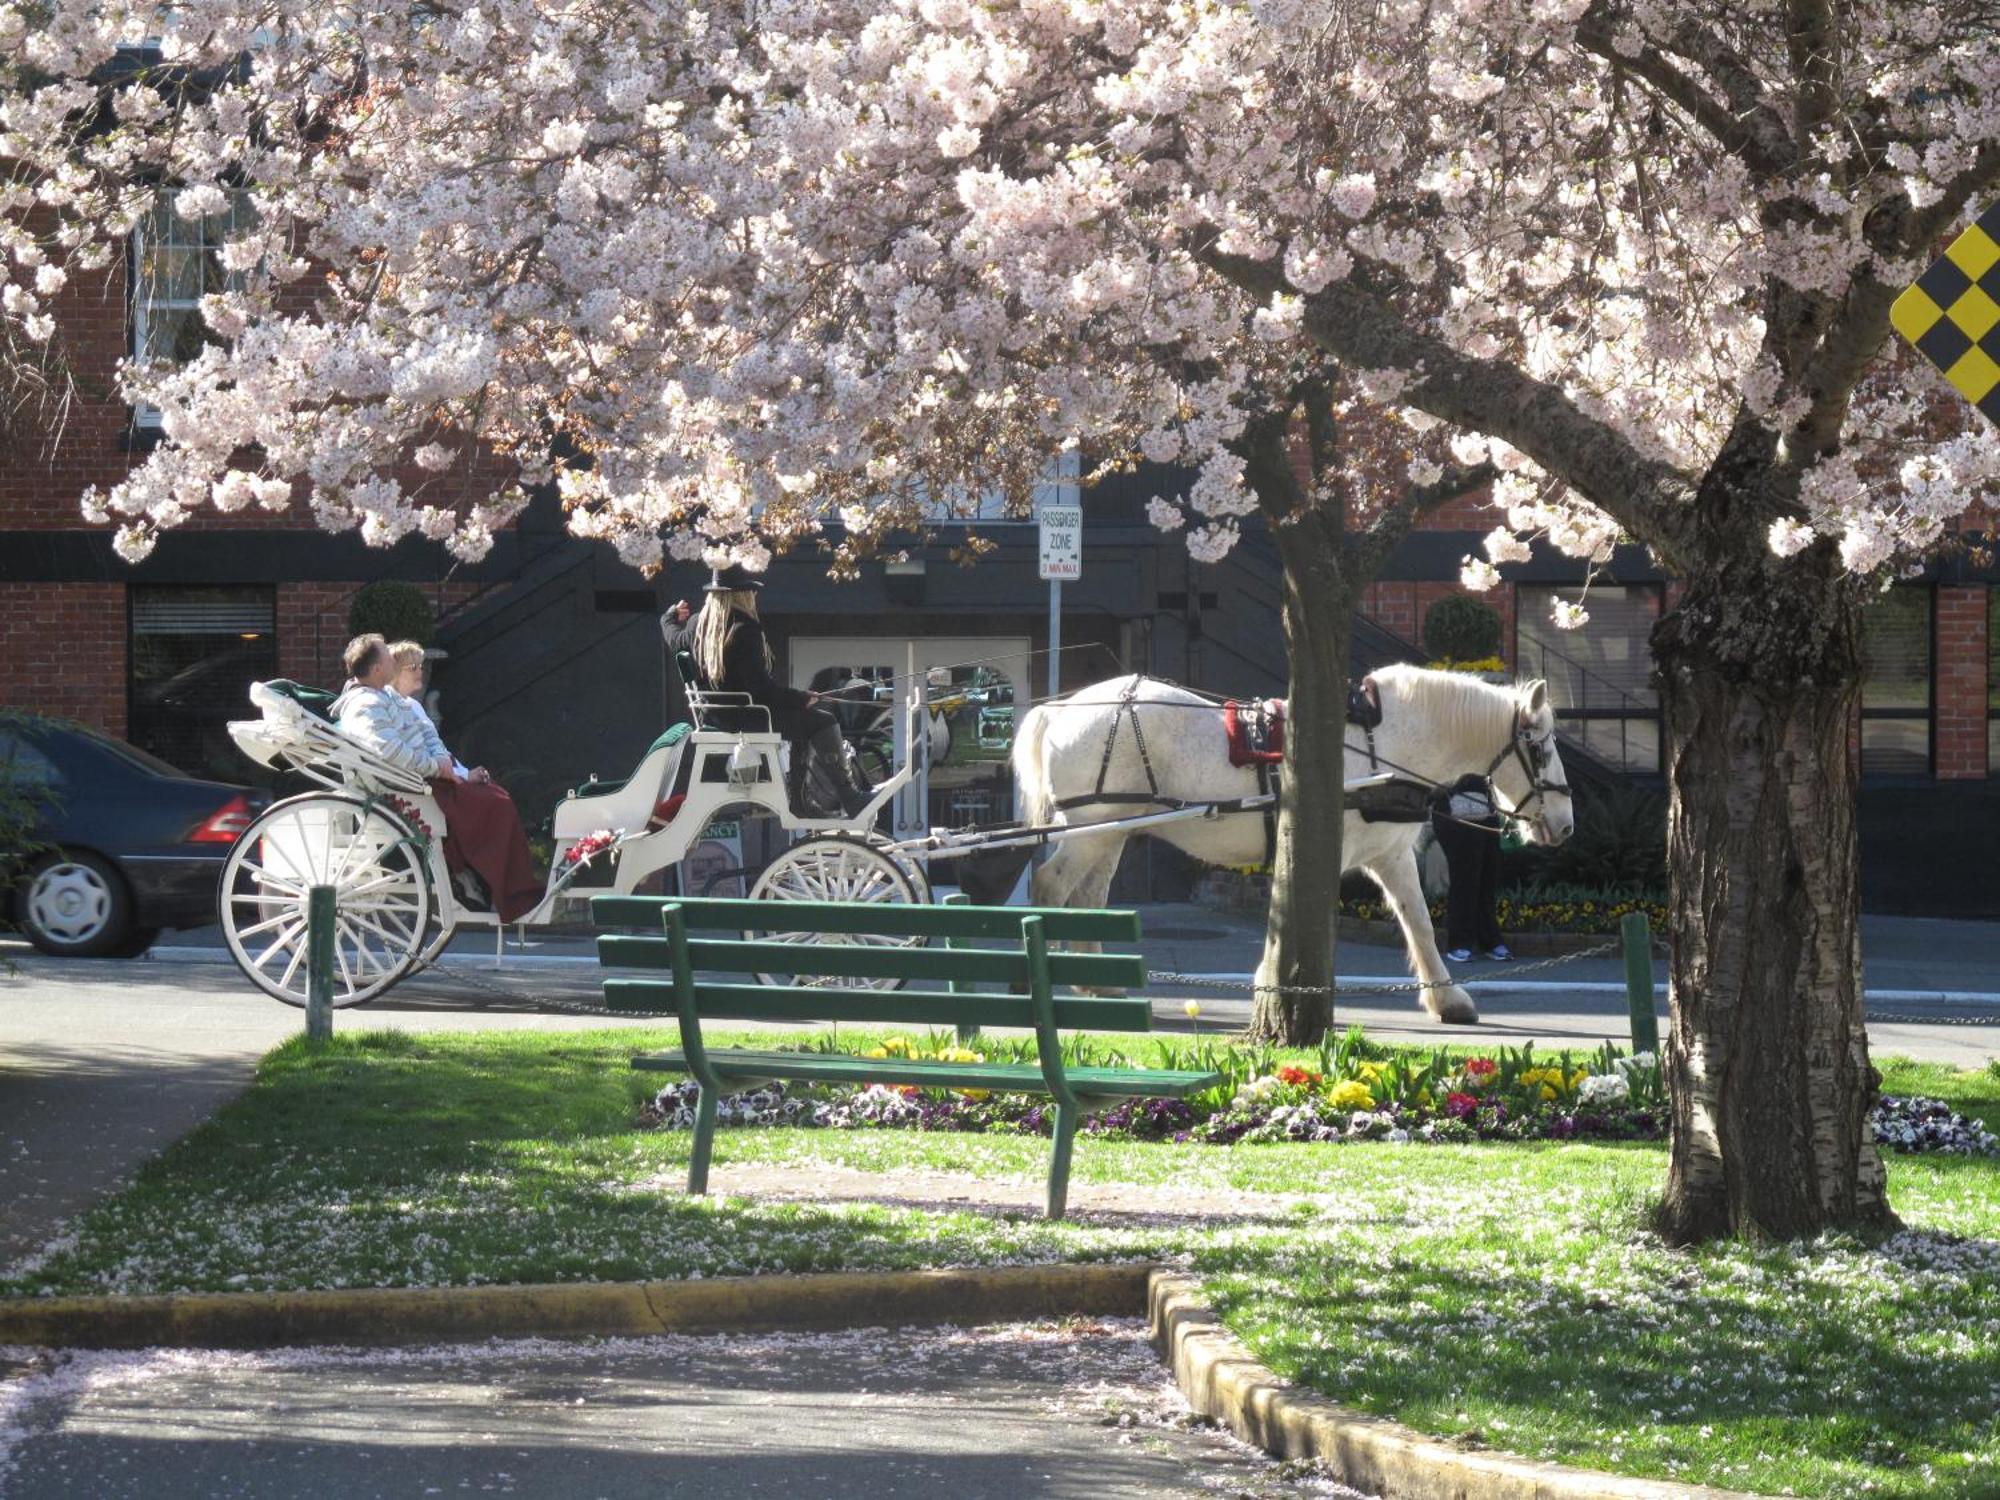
[[725, 637], [1468, 830]]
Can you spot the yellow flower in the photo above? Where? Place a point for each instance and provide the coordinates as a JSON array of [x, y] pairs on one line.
[[1351, 1095], [876, 1052], [1548, 1091], [896, 1046], [1576, 1078], [1372, 1071], [1193, 1008]]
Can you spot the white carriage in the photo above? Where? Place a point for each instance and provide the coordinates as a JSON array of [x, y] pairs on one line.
[[374, 832]]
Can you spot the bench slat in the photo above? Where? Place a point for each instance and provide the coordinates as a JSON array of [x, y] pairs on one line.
[[884, 919], [868, 961], [1018, 1078], [757, 1002]]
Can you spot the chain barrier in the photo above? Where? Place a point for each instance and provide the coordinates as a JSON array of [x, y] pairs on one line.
[[1401, 987]]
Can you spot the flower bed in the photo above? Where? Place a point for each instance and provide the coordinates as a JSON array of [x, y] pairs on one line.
[[1581, 911], [1512, 1096]]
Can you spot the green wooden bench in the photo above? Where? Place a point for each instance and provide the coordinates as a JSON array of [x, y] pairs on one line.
[[812, 948]]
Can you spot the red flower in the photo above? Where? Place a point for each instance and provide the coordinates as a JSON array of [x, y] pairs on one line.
[[1298, 1077], [1458, 1105], [1481, 1067]]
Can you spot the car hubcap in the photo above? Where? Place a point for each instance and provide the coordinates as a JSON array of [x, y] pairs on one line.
[[71, 903]]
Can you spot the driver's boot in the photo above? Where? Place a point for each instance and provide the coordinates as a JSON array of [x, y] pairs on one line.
[[832, 750]]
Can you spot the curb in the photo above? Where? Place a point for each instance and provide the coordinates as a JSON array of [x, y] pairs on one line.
[[255, 1320], [1221, 1379]]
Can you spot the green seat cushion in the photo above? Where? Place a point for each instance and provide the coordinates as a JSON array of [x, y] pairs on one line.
[[1020, 1078], [315, 701], [674, 734]]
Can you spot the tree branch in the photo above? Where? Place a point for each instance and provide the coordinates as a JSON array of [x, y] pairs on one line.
[[1355, 325], [1756, 138]]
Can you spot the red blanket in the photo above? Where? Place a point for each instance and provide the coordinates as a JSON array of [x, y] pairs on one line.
[[1256, 732], [483, 830]]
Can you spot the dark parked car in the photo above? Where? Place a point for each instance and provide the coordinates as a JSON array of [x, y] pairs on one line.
[[123, 844]]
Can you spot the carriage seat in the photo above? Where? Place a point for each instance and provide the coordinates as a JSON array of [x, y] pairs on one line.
[[296, 734], [629, 803]]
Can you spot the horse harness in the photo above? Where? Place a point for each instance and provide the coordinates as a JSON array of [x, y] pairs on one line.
[[1397, 801]]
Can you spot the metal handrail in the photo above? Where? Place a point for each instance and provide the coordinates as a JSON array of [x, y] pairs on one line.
[[1627, 706]]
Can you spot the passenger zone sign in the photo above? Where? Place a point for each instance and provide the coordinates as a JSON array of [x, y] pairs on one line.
[[1062, 542]]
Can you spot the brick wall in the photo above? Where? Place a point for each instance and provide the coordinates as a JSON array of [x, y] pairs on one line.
[[62, 651], [1961, 682], [312, 625], [1399, 607]]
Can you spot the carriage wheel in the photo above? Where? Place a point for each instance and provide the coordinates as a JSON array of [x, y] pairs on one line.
[[383, 896], [839, 867]]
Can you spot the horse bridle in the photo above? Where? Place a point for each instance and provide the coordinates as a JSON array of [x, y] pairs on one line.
[[1533, 753]]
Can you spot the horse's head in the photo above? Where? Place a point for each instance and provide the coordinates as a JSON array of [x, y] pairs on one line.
[[1528, 775]]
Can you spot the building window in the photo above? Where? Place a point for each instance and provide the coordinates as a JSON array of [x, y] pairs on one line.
[[1896, 683], [194, 653], [175, 263], [1599, 675]]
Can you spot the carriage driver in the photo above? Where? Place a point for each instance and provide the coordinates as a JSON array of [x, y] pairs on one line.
[[482, 825], [726, 639]]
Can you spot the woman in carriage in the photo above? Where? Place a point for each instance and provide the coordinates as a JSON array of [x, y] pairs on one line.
[[726, 639], [482, 825]]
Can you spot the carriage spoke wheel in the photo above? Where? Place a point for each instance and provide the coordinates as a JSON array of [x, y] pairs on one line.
[[382, 896], [838, 867]]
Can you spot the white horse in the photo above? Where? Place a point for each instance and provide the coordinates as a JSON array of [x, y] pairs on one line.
[[1437, 726]]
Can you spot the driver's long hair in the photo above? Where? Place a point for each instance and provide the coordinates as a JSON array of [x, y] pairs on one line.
[[711, 633]]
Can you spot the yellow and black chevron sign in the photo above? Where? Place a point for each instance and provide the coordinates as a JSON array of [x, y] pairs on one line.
[[1952, 314]]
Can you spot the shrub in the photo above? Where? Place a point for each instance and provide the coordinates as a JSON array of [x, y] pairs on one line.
[[1459, 628], [1620, 840], [395, 611]]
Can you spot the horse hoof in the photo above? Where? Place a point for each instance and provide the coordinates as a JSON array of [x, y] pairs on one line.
[[1452, 1007]]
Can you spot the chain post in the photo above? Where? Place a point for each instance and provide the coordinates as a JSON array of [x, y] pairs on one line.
[[1636, 934], [319, 963]]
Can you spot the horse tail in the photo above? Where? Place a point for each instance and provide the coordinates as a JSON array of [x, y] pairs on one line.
[[1032, 782]]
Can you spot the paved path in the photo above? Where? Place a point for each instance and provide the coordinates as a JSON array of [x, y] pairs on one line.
[[997, 1413]]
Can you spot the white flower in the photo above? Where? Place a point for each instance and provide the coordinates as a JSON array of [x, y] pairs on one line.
[[1164, 514], [1788, 536], [1604, 1089], [133, 543], [1477, 574], [958, 141], [1502, 546], [1568, 614]]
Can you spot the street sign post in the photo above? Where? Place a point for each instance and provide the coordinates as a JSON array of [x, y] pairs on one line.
[[1061, 558], [1952, 313]]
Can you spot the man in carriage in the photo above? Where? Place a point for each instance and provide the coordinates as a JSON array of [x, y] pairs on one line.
[[483, 832]]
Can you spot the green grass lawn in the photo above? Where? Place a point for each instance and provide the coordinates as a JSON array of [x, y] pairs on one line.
[[1507, 1294]]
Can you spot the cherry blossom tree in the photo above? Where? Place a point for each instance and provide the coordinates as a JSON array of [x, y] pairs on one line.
[[776, 263]]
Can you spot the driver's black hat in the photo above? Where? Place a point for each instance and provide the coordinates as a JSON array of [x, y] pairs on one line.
[[732, 579]]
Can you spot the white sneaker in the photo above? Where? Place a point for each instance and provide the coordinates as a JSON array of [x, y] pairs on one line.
[[1459, 956]]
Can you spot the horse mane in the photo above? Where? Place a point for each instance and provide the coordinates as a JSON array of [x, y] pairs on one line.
[[1468, 709]]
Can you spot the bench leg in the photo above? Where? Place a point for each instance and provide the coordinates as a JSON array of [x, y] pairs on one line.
[[1059, 1164], [704, 1141]]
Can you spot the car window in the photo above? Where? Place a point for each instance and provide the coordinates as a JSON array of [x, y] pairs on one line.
[[131, 755], [23, 763]]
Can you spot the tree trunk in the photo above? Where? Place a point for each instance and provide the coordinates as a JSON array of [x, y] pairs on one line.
[[1767, 1062], [1300, 930]]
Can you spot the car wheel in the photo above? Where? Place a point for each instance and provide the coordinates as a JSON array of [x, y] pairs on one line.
[[75, 906]]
